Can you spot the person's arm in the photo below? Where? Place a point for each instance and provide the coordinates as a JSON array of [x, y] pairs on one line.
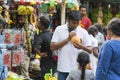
[[86, 43], [95, 51], [44, 54], [58, 45], [55, 46], [36, 45], [104, 62], [95, 48], [86, 48]]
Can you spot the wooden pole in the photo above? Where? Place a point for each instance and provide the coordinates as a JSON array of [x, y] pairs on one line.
[[63, 9]]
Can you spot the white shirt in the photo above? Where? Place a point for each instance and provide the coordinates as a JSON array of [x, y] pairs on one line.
[[94, 41], [67, 55], [100, 39], [76, 75], [93, 59]]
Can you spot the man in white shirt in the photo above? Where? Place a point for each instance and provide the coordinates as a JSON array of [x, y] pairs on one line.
[[67, 52]]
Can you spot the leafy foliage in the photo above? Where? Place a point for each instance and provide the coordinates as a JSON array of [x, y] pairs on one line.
[[107, 16]]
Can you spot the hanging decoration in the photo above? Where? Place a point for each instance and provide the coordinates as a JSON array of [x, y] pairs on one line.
[[16, 58], [7, 58], [33, 19], [52, 6], [29, 2], [1, 12], [73, 4], [26, 10], [70, 4], [43, 8]]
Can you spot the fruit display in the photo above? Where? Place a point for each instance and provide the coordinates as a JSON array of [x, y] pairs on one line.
[[33, 19], [49, 76], [25, 10], [29, 9], [1, 8], [14, 76]]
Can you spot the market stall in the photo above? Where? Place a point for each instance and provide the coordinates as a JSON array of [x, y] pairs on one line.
[[13, 53]]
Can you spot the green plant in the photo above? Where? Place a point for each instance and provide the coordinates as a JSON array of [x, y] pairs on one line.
[[106, 17], [117, 15], [94, 15]]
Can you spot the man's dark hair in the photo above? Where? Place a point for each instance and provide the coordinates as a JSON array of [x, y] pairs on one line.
[[44, 21], [74, 15], [82, 6], [92, 29], [99, 27]]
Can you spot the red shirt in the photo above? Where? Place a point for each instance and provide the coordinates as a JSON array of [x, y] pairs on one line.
[[86, 22]]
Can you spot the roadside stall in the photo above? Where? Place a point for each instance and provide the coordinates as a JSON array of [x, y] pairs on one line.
[[14, 53]]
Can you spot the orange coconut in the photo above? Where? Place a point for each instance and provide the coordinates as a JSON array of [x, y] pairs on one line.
[[75, 39]]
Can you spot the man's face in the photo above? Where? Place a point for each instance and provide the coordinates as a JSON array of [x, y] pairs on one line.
[[72, 24], [83, 11], [21, 20]]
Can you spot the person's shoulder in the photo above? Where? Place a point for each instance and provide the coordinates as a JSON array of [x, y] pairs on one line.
[[61, 27], [89, 71], [109, 43], [81, 29], [75, 71], [112, 41]]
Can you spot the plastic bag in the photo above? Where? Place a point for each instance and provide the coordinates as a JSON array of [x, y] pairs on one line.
[[35, 64], [3, 72]]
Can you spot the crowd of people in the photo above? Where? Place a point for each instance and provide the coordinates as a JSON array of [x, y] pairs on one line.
[[94, 57]]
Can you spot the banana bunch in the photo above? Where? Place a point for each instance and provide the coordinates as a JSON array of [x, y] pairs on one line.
[[25, 10], [1, 8], [22, 10], [29, 9], [10, 21]]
